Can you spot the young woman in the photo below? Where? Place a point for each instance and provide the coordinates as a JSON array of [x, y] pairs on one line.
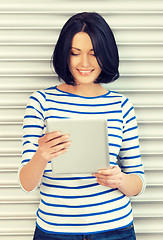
[[83, 206]]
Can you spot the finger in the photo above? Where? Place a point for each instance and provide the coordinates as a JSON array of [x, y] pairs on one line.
[[56, 154], [110, 171], [117, 176], [102, 173], [109, 183], [50, 136], [59, 147], [58, 140], [102, 177]]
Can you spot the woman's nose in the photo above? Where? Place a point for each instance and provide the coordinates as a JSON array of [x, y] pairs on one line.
[[85, 61]]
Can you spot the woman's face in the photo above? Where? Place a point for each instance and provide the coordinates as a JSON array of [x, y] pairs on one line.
[[83, 64]]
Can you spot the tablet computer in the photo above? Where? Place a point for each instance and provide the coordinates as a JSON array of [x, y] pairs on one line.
[[89, 150]]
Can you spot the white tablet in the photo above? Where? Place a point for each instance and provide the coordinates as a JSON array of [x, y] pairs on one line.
[[89, 150]]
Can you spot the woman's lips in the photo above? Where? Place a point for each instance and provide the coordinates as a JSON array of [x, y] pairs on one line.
[[85, 72]]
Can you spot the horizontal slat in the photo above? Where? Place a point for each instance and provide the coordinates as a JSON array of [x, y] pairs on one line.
[[35, 36], [9, 162], [11, 130], [154, 177], [15, 193], [17, 98], [32, 83], [151, 192], [28, 67], [151, 224], [22, 216], [147, 208], [29, 208], [146, 129], [17, 224], [148, 144], [17, 209], [15, 114], [12, 161], [24, 83], [18, 235], [19, 5], [152, 160], [47, 60], [28, 236], [65, 12], [136, 35], [45, 51], [59, 28], [136, 83], [32, 216], [150, 129], [10, 176], [26, 51], [122, 35], [126, 75], [141, 67], [146, 98], [25, 67], [137, 97], [134, 201], [144, 113], [151, 144], [69, 13], [149, 236], [26, 19]]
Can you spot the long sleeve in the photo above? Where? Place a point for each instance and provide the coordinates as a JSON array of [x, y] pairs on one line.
[[33, 126], [129, 155]]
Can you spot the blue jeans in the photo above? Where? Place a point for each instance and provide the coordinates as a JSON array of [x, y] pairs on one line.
[[127, 233]]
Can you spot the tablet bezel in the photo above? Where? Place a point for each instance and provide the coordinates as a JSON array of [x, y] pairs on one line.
[[73, 127]]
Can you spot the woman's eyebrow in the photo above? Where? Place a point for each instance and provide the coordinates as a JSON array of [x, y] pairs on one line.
[[76, 48], [80, 49]]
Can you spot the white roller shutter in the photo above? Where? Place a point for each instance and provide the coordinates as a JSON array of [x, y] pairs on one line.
[[28, 32]]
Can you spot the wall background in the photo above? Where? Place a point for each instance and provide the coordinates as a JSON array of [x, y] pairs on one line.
[[28, 32]]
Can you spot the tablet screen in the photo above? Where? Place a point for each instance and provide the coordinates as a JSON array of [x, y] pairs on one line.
[[89, 150]]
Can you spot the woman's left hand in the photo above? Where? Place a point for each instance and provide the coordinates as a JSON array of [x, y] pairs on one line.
[[111, 177]]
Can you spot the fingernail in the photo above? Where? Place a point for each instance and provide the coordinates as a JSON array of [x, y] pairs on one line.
[[59, 133], [67, 136]]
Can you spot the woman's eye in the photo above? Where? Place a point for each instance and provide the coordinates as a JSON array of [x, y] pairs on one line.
[[74, 54], [92, 54]]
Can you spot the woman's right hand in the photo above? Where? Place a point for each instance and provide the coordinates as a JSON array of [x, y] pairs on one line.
[[50, 146], [53, 144]]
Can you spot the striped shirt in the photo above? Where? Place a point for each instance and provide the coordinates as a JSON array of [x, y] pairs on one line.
[[77, 204]]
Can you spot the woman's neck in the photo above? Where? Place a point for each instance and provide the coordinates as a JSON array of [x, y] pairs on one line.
[[84, 90]]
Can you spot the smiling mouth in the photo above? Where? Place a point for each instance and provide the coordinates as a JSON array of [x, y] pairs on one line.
[[85, 72]]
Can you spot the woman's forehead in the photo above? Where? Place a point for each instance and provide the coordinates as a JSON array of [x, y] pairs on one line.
[[82, 41]]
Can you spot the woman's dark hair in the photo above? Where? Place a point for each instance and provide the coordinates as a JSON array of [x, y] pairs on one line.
[[103, 42]]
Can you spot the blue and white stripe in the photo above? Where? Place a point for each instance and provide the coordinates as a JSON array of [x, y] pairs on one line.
[[75, 204]]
